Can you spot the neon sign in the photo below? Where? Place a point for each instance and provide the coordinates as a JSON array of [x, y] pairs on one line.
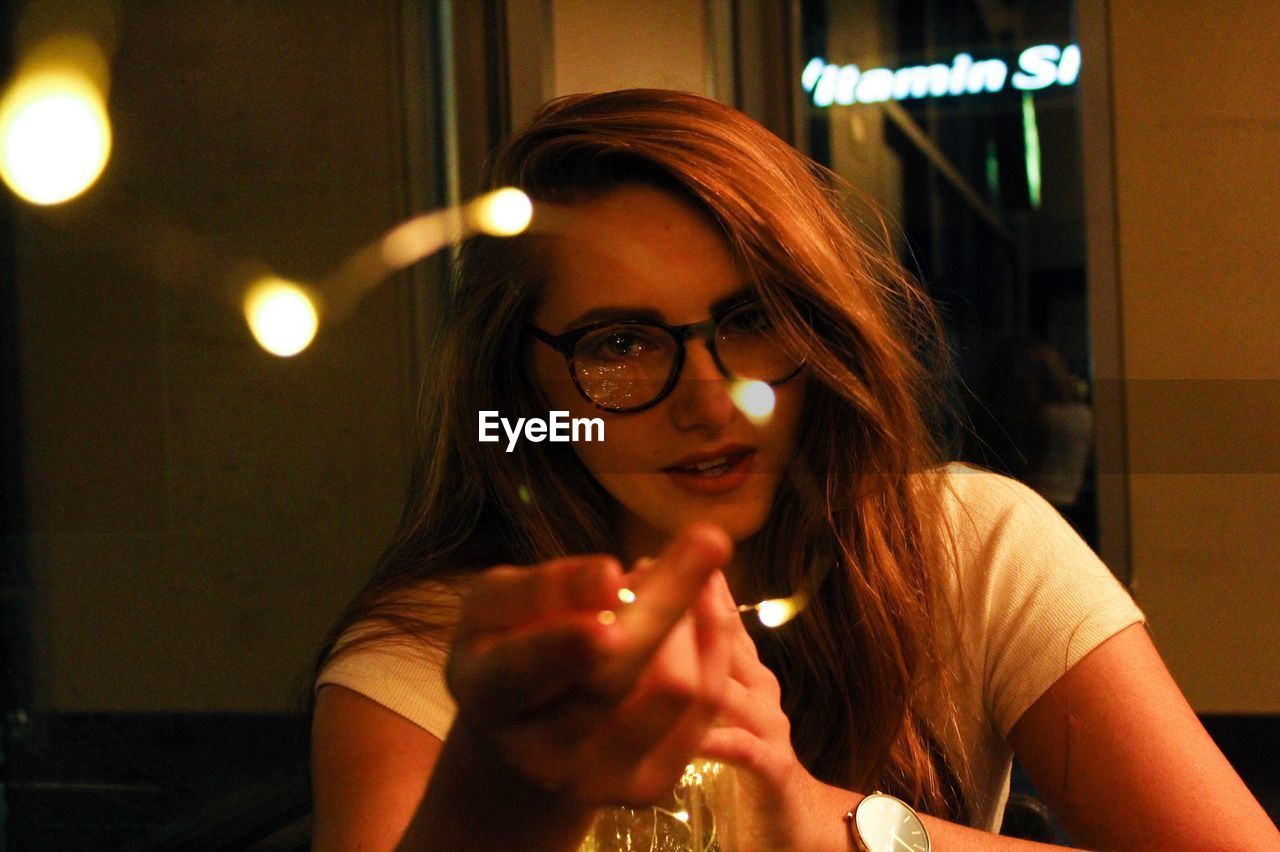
[[1039, 67]]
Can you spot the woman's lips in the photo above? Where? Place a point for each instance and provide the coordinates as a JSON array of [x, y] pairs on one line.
[[714, 475]]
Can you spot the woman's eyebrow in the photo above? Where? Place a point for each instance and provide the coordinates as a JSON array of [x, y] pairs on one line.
[[746, 291], [614, 312], [647, 313]]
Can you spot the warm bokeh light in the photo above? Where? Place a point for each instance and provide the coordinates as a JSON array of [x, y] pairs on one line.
[[502, 213], [755, 399], [778, 611], [419, 237], [55, 136], [281, 315], [626, 596], [285, 322]]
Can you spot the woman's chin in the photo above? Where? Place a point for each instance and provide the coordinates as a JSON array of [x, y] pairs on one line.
[[655, 514]]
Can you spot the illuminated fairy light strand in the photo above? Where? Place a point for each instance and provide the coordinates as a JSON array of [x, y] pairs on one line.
[[776, 612], [284, 316], [502, 213], [772, 612]]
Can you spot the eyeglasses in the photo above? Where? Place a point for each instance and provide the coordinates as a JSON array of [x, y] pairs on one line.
[[627, 365]]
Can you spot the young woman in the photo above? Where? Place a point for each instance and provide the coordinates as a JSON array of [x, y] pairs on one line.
[[950, 618]]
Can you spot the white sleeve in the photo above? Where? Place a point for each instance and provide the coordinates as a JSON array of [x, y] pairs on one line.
[[406, 678], [1034, 598]]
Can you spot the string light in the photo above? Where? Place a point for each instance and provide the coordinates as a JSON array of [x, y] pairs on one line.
[[755, 399], [501, 213], [282, 316], [55, 134], [776, 612], [772, 613]]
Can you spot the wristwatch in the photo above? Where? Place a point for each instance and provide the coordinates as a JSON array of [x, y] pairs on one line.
[[884, 823]]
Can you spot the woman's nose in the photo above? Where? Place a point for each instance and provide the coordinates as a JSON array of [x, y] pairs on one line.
[[701, 397]]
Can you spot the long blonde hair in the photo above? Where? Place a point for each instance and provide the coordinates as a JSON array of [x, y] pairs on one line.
[[854, 517]]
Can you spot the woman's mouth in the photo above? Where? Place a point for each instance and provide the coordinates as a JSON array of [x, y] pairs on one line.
[[717, 474]]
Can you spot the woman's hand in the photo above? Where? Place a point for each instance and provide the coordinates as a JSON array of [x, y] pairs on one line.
[[605, 710], [775, 791]]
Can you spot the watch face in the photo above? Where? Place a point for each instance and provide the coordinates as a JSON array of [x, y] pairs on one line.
[[886, 824]]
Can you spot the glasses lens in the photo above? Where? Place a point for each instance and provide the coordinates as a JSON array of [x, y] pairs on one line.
[[624, 366], [749, 346]]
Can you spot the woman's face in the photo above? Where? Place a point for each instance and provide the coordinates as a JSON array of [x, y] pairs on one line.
[[643, 252]]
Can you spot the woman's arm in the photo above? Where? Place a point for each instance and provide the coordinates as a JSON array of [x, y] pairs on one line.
[[558, 710], [1112, 746], [780, 806], [1120, 756], [369, 770]]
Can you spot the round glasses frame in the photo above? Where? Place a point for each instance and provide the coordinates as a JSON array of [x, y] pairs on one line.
[[706, 330]]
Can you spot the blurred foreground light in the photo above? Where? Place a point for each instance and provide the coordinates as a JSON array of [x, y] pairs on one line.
[[777, 612], [281, 315], [755, 399], [55, 136], [502, 213], [284, 316]]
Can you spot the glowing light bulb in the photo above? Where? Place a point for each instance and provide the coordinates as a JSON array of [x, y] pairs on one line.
[[502, 213], [55, 136], [777, 612], [755, 399], [281, 315]]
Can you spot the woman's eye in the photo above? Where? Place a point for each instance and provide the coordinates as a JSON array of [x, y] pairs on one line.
[[746, 321], [616, 344], [621, 344]]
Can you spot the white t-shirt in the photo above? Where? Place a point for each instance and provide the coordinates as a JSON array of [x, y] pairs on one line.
[[1031, 598]]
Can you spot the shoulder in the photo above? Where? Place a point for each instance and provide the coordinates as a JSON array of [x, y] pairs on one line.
[[1028, 595], [1010, 540], [998, 522], [981, 499], [397, 658]]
